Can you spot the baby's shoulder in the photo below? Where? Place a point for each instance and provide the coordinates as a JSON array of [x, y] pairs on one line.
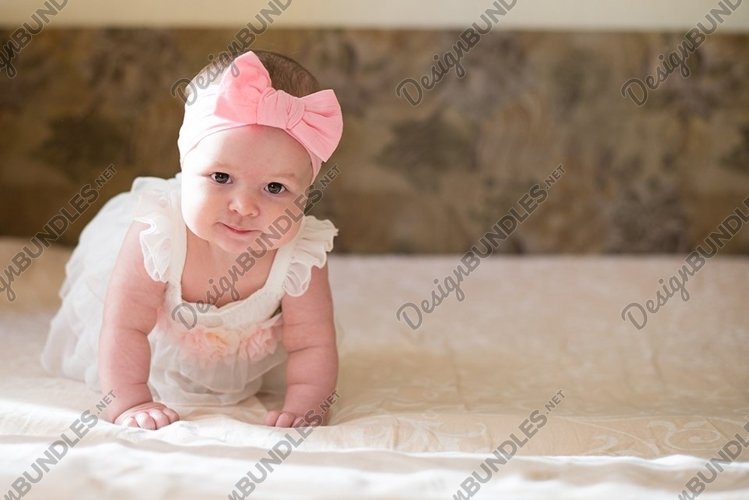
[[310, 248], [131, 285], [159, 215]]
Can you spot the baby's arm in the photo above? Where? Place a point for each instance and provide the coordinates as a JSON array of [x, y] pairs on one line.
[[309, 338], [124, 352]]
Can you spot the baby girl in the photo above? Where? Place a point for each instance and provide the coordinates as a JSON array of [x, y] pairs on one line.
[[250, 146]]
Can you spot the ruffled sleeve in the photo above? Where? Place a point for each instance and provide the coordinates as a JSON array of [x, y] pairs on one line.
[[154, 207], [312, 245]]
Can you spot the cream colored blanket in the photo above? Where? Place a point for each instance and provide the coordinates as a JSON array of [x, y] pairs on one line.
[[535, 364]]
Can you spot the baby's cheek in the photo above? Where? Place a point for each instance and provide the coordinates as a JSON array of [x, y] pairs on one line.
[[188, 217], [193, 221]]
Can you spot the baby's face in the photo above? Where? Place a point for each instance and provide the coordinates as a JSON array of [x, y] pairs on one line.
[[237, 183]]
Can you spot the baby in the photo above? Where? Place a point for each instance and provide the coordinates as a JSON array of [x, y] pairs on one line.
[[251, 144]]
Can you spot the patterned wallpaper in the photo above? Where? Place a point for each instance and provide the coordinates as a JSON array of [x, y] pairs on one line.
[[426, 177]]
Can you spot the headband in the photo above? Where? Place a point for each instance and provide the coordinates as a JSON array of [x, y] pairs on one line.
[[315, 120]]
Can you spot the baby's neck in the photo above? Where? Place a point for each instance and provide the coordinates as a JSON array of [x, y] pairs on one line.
[[204, 262]]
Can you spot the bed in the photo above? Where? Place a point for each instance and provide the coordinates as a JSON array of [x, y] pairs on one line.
[[627, 413]]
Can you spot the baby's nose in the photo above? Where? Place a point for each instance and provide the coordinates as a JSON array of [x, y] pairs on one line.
[[245, 205]]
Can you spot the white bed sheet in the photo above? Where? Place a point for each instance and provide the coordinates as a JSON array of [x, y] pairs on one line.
[[420, 410]]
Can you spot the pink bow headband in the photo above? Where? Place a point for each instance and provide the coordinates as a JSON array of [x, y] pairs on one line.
[[315, 120]]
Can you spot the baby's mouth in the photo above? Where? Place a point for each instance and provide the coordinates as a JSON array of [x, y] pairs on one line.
[[238, 230]]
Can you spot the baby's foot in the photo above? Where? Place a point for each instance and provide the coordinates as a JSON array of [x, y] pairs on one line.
[[149, 416]]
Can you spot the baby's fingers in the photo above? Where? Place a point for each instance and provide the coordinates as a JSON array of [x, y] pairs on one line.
[[300, 422], [285, 420], [171, 414], [277, 418], [129, 422], [145, 421], [151, 419], [271, 417], [142, 420], [160, 418]]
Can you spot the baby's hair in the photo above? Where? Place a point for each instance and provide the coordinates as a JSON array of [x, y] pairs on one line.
[[288, 75], [285, 74]]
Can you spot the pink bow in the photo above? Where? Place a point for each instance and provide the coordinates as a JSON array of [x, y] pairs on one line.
[[315, 120]]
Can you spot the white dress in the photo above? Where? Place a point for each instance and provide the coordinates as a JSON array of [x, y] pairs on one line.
[[200, 355]]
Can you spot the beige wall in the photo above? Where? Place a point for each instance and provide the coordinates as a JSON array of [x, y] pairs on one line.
[[526, 14]]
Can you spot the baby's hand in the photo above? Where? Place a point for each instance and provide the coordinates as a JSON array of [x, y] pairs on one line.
[[149, 416], [277, 418]]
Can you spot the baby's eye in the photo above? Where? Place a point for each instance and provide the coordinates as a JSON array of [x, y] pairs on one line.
[[220, 177], [275, 187]]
